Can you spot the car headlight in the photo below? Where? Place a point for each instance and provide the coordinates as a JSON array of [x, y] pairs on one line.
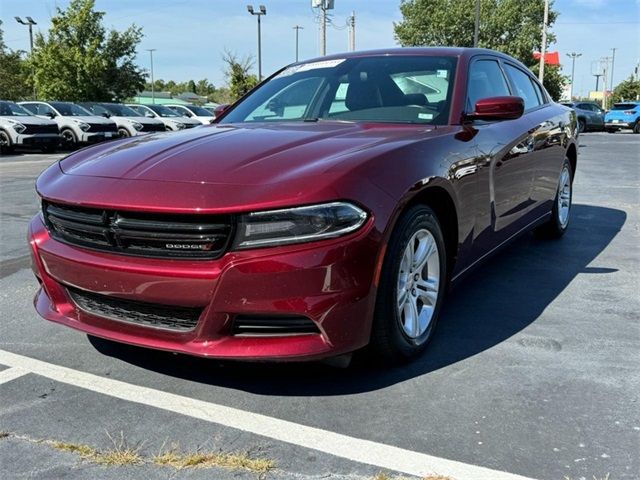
[[298, 225], [18, 127], [137, 126], [83, 126]]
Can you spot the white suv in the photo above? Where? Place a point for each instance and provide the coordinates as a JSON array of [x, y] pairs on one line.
[[171, 119], [19, 128], [203, 115], [130, 123], [76, 124]]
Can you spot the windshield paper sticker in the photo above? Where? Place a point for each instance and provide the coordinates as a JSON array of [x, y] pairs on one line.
[[312, 66]]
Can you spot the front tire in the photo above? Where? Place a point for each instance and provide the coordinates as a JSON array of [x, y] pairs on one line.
[[412, 287], [561, 212], [69, 139], [636, 127], [123, 133], [6, 147]]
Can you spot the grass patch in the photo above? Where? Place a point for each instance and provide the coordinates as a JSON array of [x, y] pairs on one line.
[[120, 454], [230, 461]]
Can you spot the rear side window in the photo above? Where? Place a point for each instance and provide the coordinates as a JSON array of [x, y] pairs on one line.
[[524, 87], [485, 80]]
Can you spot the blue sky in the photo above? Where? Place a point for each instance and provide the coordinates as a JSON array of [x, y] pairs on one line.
[[190, 35]]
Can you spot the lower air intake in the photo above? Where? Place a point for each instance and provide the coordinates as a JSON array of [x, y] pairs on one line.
[[267, 325], [154, 315]]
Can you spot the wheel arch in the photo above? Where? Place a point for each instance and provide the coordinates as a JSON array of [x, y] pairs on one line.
[[572, 155]]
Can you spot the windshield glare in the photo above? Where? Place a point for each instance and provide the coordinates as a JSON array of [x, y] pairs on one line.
[[163, 111], [400, 89], [10, 109], [70, 109], [120, 110]]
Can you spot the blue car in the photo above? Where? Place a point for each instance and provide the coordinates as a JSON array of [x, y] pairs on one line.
[[623, 115]]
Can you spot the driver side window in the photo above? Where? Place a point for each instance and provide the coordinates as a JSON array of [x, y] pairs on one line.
[[288, 104], [485, 80]]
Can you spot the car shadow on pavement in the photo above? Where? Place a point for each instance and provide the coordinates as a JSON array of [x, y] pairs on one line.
[[493, 303]]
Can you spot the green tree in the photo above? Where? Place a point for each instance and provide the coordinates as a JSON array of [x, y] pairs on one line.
[[237, 74], [80, 60], [627, 90], [553, 79], [509, 26], [15, 83]]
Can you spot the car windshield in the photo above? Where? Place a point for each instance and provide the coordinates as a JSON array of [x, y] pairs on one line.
[[202, 112], [624, 106], [70, 109], [395, 89], [10, 109], [163, 111], [120, 110]]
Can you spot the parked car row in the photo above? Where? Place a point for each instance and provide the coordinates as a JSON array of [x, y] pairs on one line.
[[592, 117], [48, 125]]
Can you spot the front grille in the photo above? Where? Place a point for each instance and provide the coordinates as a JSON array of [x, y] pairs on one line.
[[142, 234], [153, 127], [102, 127], [155, 315], [271, 325], [33, 129]]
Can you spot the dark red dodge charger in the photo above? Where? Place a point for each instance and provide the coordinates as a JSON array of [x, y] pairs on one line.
[[326, 210]]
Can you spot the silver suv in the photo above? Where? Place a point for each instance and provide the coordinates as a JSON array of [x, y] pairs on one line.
[[172, 120], [130, 123], [19, 128], [76, 124]]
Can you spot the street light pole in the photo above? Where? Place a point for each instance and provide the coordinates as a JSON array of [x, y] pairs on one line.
[[613, 59], [297, 28], [153, 92], [262, 11], [30, 23], [543, 50], [573, 56]]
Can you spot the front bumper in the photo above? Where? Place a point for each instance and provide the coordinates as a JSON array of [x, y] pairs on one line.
[[38, 139], [96, 137], [330, 282]]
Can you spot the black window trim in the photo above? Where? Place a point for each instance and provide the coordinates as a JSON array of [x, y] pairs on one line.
[[534, 80], [472, 61]]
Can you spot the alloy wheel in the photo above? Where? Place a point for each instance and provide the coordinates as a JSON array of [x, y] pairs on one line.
[[418, 284], [564, 197]]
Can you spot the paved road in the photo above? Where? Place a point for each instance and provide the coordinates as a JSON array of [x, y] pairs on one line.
[[533, 369]]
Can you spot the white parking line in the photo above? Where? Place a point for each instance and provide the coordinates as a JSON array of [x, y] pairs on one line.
[[354, 449], [11, 374]]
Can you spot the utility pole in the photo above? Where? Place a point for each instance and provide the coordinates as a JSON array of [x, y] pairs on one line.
[[543, 50], [30, 23], [262, 11], [476, 29], [597, 75], [613, 59], [573, 56], [297, 28], [323, 29], [352, 32], [605, 70], [153, 92]]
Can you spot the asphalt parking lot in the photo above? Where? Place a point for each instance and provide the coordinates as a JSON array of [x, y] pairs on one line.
[[533, 370]]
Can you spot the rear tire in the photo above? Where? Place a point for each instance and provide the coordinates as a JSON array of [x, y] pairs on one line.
[[557, 225], [412, 287], [636, 127]]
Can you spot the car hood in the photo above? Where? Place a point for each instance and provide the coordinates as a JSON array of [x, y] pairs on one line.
[[29, 120], [94, 119], [256, 154], [142, 120]]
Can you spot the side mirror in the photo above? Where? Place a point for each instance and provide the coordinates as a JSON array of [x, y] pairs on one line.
[[149, 115], [106, 115], [497, 108], [220, 109], [51, 114]]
